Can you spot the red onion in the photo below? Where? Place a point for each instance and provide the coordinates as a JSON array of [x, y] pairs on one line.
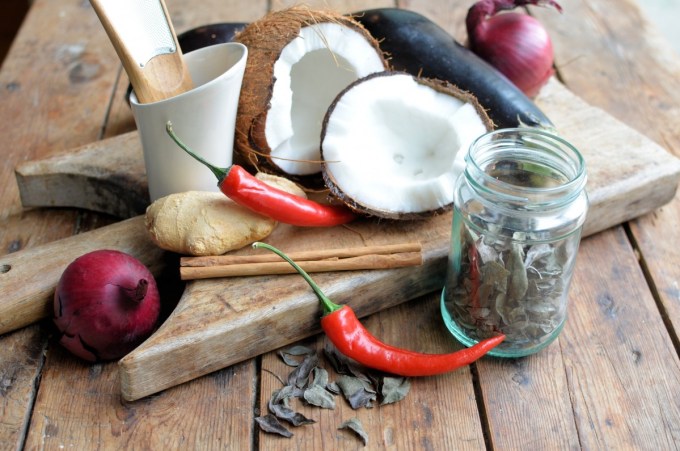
[[515, 44], [105, 305]]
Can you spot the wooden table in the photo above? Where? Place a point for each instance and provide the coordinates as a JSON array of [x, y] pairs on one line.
[[611, 380]]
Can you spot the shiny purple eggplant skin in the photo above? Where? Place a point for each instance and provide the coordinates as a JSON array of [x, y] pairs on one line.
[[206, 35], [420, 47]]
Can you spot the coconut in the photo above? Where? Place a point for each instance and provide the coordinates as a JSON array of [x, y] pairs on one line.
[[299, 59], [393, 144]]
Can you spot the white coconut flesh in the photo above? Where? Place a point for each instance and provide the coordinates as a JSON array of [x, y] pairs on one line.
[[395, 146], [310, 71]]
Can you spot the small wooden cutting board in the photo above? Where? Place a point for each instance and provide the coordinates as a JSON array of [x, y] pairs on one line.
[[223, 321]]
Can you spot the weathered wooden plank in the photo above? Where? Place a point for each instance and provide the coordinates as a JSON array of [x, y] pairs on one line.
[[21, 360], [621, 367], [614, 365], [621, 63], [617, 190], [79, 407], [441, 411], [617, 357], [104, 176], [40, 114], [526, 401]]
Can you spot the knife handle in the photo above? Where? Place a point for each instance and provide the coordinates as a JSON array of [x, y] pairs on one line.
[[164, 75]]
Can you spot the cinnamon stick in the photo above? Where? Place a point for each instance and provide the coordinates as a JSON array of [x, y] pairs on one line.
[[373, 257], [223, 260]]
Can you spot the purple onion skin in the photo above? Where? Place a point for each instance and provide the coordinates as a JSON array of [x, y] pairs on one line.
[[106, 304], [516, 44]]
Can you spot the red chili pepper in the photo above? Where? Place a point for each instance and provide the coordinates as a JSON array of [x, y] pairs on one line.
[[350, 337], [252, 193]]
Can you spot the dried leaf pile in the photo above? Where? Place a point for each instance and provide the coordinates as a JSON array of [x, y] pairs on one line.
[[310, 383]]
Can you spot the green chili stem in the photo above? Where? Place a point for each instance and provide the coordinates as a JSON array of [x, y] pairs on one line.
[[220, 173], [328, 305]]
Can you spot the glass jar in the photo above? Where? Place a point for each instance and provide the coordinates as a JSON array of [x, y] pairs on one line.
[[519, 208]]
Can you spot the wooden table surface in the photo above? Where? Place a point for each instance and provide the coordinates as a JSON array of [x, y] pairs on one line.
[[611, 380]]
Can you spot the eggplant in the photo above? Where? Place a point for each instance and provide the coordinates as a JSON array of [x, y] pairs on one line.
[[420, 47], [206, 35]]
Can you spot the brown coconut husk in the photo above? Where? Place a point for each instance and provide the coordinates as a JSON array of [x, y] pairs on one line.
[[438, 85], [265, 40]]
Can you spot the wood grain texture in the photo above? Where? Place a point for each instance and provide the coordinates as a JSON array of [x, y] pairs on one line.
[[21, 362], [636, 80], [163, 76], [29, 277], [439, 412], [54, 90], [609, 382], [57, 85], [528, 403], [621, 367], [222, 321], [628, 174], [106, 176], [83, 407]]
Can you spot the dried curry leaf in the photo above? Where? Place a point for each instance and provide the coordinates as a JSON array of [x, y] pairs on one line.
[[288, 355], [320, 377], [287, 414], [301, 375], [394, 389], [518, 274], [356, 392], [355, 426], [317, 395], [342, 364], [333, 388], [269, 423], [338, 361], [283, 395], [278, 405]]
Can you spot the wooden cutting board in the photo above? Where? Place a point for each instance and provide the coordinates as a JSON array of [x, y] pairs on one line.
[[220, 322]]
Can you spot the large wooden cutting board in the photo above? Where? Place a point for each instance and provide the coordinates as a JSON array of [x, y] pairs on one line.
[[221, 322]]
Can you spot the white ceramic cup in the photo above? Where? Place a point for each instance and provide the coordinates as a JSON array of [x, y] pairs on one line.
[[203, 118]]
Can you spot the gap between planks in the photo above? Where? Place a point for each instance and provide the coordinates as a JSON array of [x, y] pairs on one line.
[[653, 288]]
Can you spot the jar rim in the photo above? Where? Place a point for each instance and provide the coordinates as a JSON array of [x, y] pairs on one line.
[[542, 140]]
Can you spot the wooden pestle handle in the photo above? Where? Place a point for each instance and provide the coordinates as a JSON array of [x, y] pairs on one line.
[[164, 75]]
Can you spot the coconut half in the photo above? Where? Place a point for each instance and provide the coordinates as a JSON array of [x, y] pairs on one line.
[[299, 59], [394, 144]]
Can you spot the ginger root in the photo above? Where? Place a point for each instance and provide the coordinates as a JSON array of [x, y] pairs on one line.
[[209, 223]]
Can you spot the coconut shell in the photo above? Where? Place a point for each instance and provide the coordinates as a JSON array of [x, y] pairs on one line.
[[439, 86], [265, 40]]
